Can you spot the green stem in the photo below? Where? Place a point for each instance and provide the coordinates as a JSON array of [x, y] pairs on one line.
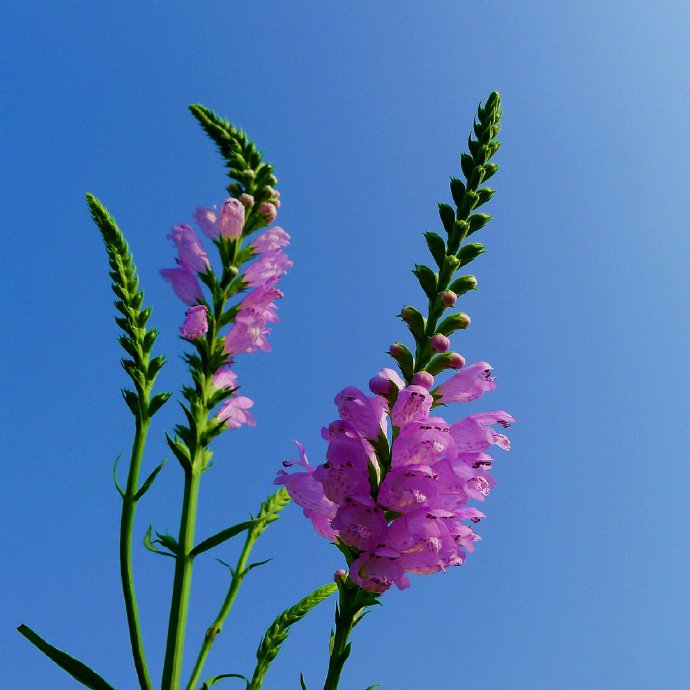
[[179, 605], [129, 506], [217, 625], [346, 616]]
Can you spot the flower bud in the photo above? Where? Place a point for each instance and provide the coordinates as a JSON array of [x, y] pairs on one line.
[[339, 574], [268, 211], [440, 343], [454, 322], [195, 324], [231, 219], [423, 379], [447, 360], [403, 357], [249, 173], [448, 298], [247, 200]]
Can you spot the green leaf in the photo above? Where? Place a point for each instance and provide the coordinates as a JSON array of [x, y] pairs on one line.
[[278, 631], [222, 536], [149, 543], [214, 679], [489, 170], [470, 252], [149, 481], [467, 164], [447, 215], [452, 323], [158, 401], [74, 667], [478, 221], [302, 684], [180, 451], [457, 190], [437, 247], [427, 279], [120, 490], [373, 687], [132, 400], [463, 284], [415, 321]]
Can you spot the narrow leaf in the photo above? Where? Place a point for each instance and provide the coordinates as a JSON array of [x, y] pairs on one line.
[[74, 667], [158, 400], [302, 684], [149, 544], [222, 536], [214, 679], [120, 490], [149, 480]]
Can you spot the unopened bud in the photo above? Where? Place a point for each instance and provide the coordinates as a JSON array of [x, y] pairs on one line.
[[249, 173], [268, 211], [339, 574], [448, 298], [247, 200], [379, 385], [455, 360], [396, 350], [231, 220], [423, 379], [439, 343]]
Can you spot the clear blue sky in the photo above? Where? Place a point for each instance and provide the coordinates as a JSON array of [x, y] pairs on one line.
[[582, 577]]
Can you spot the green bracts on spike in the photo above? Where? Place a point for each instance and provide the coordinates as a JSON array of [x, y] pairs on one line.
[[278, 631]]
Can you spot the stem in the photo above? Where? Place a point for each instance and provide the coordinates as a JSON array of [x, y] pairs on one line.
[[129, 506], [217, 625], [346, 616], [179, 605]]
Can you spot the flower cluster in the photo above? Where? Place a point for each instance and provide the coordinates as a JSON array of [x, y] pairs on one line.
[[402, 507], [250, 322]]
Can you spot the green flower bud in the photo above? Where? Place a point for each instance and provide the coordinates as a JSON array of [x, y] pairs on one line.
[[454, 322]]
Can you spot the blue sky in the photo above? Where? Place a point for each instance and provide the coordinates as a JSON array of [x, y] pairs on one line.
[[363, 108]]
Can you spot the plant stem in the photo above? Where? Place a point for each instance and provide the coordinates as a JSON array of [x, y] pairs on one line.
[[179, 605], [346, 616], [129, 506], [217, 625]]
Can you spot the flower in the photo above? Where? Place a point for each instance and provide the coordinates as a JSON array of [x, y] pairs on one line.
[[195, 324], [231, 220], [184, 284], [191, 253], [207, 220], [272, 239], [234, 412], [402, 509], [467, 385]]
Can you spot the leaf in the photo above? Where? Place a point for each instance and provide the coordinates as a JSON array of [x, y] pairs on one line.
[[149, 480], [149, 544], [120, 490], [222, 536], [132, 400], [214, 679], [158, 400], [372, 687], [478, 221], [74, 667], [302, 684], [467, 164], [180, 451], [251, 567], [437, 247], [427, 279], [447, 214], [457, 190]]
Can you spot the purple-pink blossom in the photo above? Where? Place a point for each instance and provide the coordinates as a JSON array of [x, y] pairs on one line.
[[234, 412], [406, 511], [191, 252], [231, 219], [467, 385], [207, 220], [195, 325], [184, 283]]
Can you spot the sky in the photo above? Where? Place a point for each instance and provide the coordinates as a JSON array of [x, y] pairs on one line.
[[363, 109]]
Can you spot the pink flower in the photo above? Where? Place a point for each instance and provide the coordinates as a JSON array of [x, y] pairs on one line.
[[361, 526], [234, 412], [473, 434], [270, 240], [378, 571], [191, 252], [414, 402], [231, 219], [467, 385], [195, 324], [385, 382], [225, 378], [307, 493], [268, 266], [367, 415], [207, 220], [184, 283]]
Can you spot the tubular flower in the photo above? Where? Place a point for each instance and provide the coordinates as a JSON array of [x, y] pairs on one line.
[[401, 508]]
